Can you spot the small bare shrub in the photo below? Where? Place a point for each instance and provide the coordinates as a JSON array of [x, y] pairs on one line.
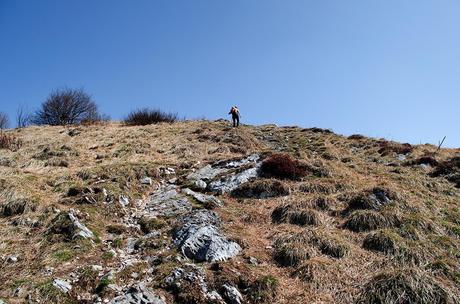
[[23, 117], [66, 107], [10, 142], [4, 121], [145, 116]]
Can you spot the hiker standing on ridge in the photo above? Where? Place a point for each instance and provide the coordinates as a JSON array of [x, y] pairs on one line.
[[235, 116]]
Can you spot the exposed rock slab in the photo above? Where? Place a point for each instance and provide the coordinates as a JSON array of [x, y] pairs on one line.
[[138, 294], [203, 198], [200, 239], [206, 173], [168, 202], [230, 183], [231, 294], [211, 172], [62, 285]]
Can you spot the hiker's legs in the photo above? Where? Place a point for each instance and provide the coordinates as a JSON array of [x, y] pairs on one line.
[[237, 121]]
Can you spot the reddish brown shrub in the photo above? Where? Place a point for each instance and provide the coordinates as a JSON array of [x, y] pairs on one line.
[[283, 166]]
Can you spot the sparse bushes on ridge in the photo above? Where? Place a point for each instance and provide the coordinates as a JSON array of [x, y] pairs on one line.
[[23, 117], [283, 166], [145, 116], [318, 130], [66, 107]]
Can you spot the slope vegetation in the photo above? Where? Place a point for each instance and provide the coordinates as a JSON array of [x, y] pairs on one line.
[[199, 212]]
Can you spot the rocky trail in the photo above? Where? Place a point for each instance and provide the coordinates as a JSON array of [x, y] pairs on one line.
[[197, 235]]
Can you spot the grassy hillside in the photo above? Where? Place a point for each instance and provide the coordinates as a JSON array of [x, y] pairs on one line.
[[361, 221]]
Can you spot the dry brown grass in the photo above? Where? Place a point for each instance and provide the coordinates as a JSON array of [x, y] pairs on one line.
[[331, 262]]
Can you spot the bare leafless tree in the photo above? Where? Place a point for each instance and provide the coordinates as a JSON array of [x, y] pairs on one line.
[[66, 107], [23, 117], [4, 120]]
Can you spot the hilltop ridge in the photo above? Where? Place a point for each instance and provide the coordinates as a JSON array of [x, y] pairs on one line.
[[200, 212]]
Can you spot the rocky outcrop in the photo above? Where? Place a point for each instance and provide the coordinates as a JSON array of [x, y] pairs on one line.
[[167, 202], [68, 225], [138, 294], [199, 238], [220, 177], [206, 200], [62, 285], [231, 294], [231, 182]]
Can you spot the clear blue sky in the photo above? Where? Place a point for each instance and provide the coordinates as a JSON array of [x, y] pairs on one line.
[[380, 68]]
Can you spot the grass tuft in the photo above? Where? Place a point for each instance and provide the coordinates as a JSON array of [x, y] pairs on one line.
[[367, 220], [405, 286], [292, 214], [291, 250]]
